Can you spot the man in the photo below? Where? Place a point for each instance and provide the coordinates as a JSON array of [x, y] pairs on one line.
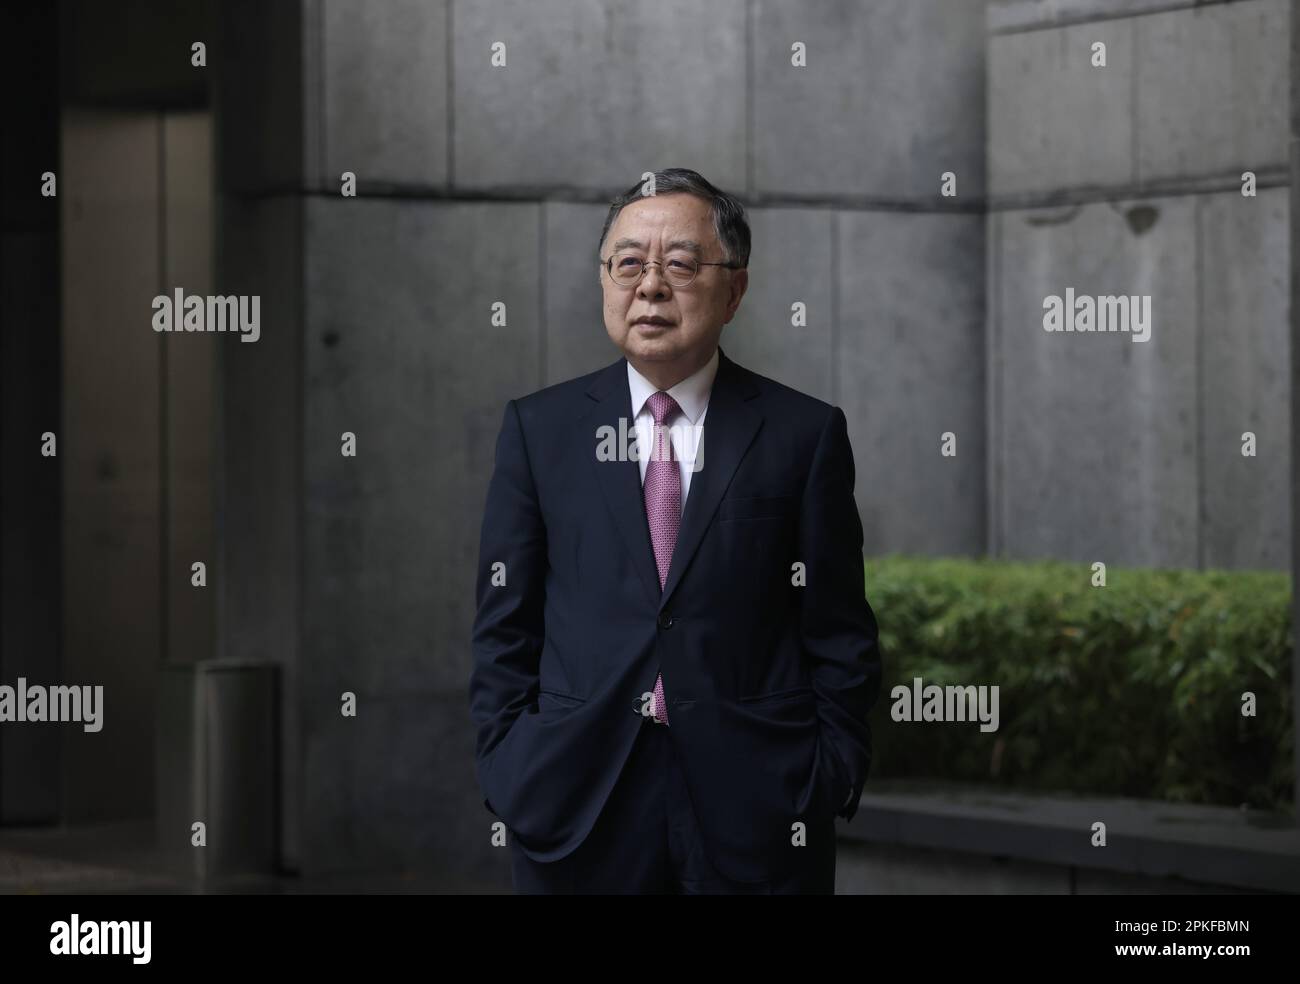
[[674, 657]]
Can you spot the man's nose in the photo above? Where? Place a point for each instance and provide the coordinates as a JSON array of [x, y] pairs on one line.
[[659, 289]]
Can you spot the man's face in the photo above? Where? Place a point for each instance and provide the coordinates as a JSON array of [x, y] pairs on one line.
[[688, 320]]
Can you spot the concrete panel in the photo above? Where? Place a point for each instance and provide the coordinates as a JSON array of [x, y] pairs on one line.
[[593, 93], [1294, 35], [890, 98], [792, 261], [1024, 15], [259, 65], [576, 340], [1094, 442], [910, 366], [189, 425], [394, 788], [262, 419], [108, 444], [384, 100], [401, 351], [1055, 121], [260, 495], [1212, 91], [1246, 379]]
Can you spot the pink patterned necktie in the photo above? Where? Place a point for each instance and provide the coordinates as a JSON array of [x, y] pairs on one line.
[[663, 507]]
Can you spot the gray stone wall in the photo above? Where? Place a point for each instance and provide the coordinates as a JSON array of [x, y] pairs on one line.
[[479, 184], [1126, 179]]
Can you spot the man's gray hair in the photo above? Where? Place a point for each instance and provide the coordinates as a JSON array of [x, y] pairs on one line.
[[728, 214]]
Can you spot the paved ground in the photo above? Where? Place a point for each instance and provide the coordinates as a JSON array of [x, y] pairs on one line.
[[120, 859]]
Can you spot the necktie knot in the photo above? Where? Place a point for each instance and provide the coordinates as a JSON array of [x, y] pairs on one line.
[[662, 406]]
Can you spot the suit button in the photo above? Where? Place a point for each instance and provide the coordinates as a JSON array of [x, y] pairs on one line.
[[665, 620]]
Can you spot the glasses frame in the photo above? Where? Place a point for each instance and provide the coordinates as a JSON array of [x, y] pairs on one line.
[[608, 264]]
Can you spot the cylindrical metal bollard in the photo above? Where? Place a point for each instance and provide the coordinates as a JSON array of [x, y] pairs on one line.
[[218, 766]]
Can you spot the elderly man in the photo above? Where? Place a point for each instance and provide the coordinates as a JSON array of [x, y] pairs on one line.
[[674, 657]]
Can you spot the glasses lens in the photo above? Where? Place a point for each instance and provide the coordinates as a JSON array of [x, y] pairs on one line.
[[625, 268], [680, 270]]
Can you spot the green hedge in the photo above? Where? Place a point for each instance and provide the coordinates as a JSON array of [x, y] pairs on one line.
[[1132, 689]]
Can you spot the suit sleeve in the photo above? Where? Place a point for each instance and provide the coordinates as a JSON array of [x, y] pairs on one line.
[[838, 627], [509, 593]]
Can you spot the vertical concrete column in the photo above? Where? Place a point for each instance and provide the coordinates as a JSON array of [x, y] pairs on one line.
[[259, 64]]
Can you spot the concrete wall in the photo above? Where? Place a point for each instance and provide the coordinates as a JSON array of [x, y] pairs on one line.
[[135, 441], [1126, 179], [480, 184], [110, 454]]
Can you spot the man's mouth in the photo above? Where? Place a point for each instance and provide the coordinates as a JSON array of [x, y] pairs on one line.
[[654, 320]]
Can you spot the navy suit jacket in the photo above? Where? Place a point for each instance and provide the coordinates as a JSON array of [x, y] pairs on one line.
[[768, 675]]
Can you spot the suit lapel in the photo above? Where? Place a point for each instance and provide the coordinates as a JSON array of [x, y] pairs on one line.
[[620, 481], [732, 421], [730, 424]]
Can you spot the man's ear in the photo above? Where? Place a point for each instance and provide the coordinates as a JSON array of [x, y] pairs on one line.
[[739, 284]]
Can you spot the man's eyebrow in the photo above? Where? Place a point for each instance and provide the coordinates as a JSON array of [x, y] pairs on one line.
[[690, 245]]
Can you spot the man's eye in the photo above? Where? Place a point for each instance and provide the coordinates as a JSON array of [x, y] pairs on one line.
[[629, 261]]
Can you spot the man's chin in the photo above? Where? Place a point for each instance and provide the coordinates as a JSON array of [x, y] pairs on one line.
[[656, 349]]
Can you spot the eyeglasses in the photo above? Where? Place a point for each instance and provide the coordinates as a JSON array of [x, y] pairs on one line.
[[626, 268]]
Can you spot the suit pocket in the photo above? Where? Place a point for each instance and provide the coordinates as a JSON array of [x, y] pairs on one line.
[[757, 507], [794, 693], [828, 779], [553, 698]]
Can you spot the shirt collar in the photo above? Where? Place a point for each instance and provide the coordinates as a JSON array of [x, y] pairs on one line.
[[691, 394]]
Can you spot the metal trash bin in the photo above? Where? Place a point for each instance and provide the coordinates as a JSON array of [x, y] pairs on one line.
[[218, 759]]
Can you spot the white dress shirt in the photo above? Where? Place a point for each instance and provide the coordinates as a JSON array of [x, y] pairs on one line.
[[685, 428]]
